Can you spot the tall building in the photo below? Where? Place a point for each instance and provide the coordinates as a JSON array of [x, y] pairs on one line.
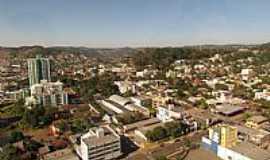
[[100, 144], [224, 135], [38, 69]]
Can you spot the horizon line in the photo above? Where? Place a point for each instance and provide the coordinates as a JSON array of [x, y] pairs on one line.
[[136, 46]]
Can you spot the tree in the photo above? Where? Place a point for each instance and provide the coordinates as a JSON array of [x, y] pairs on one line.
[[30, 119], [181, 94], [63, 126], [80, 125], [187, 143], [32, 145], [18, 108], [161, 158], [173, 129], [156, 134], [9, 153], [102, 84], [16, 136], [202, 104], [37, 117], [152, 111], [247, 115], [242, 92], [221, 87]]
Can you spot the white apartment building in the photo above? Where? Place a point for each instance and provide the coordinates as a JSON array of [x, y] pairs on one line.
[[166, 114], [263, 95], [49, 93]]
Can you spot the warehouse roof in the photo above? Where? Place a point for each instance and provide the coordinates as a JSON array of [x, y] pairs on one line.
[[228, 109], [142, 123], [119, 99]]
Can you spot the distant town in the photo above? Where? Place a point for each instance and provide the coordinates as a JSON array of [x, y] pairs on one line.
[[205, 102]]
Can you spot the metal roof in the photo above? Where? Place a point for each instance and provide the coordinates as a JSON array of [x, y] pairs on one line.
[[119, 99]]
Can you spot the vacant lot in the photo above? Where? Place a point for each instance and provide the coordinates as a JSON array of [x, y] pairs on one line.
[[201, 154]]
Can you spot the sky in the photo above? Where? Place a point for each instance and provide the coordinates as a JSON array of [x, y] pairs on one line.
[[133, 23]]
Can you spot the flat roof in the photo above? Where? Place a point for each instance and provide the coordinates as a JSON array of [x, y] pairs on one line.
[[229, 109], [200, 114], [141, 123], [97, 141], [258, 119], [252, 151], [106, 109], [178, 109], [117, 105], [138, 108], [250, 131], [119, 99]]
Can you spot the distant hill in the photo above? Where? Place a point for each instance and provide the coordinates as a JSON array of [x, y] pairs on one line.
[[31, 51], [225, 46], [266, 45]]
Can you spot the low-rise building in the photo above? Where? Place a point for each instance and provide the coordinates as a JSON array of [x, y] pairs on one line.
[[141, 101], [255, 121], [229, 109], [247, 73], [255, 136], [112, 107], [223, 142], [125, 86], [169, 113], [100, 143], [17, 95], [265, 95], [119, 100], [140, 124]]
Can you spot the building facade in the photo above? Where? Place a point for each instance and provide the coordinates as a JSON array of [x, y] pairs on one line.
[[223, 141], [225, 135], [38, 69], [49, 93], [100, 144], [166, 114]]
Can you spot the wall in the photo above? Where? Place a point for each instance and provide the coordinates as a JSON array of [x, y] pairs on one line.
[[227, 154]]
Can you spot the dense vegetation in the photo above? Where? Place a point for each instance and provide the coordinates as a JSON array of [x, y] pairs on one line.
[[171, 129], [38, 116], [161, 58], [10, 152], [100, 84]]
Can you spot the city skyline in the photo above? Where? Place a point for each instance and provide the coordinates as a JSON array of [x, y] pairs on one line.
[[133, 23]]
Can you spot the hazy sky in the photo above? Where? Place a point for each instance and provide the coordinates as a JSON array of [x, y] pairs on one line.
[[120, 23]]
